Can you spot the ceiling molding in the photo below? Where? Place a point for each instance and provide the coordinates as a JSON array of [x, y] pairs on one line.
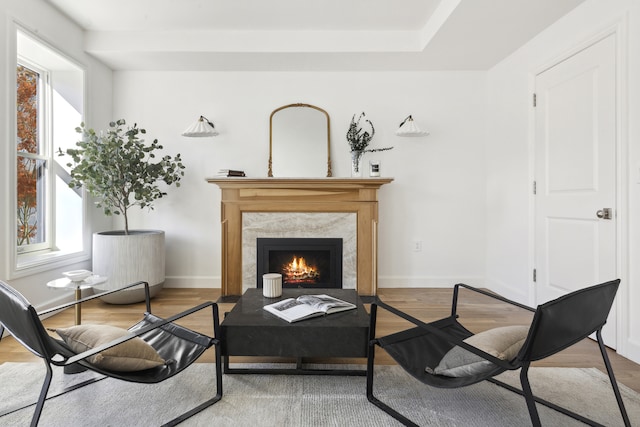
[[373, 35], [253, 41]]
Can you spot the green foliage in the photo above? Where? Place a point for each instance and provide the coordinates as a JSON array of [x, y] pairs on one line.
[[116, 167]]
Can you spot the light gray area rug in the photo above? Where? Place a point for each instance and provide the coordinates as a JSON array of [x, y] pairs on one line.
[[285, 400]]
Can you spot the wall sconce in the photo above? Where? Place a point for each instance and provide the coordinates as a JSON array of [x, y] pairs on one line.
[[409, 128], [201, 128]]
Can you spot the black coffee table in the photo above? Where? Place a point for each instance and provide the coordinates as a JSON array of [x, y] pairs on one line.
[[249, 330]]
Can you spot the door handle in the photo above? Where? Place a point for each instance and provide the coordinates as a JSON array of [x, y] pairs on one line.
[[605, 213]]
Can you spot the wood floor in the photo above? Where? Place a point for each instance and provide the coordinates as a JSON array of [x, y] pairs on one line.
[[477, 313]]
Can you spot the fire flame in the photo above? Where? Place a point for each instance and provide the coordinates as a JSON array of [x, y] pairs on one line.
[[298, 270]]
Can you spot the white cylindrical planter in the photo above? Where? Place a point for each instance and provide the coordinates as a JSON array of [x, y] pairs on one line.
[[272, 285], [126, 259]]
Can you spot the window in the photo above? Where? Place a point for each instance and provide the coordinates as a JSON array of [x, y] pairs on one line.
[[31, 162], [49, 106]]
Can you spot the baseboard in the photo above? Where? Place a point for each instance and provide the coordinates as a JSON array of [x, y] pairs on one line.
[[632, 351], [192, 282], [507, 291], [427, 282], [64, 298], [383, 282]]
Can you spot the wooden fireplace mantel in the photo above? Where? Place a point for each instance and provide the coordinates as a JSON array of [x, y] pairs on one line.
[[358, 195]]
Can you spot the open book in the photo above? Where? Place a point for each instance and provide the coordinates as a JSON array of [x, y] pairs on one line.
[[307, 306]]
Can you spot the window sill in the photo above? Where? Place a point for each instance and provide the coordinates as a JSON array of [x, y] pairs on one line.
[[36, 262]]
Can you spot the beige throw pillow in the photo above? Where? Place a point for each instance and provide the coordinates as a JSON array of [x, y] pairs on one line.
[[132, 355], [504, 343]]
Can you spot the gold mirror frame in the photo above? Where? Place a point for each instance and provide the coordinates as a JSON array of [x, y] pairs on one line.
[[299, 105]]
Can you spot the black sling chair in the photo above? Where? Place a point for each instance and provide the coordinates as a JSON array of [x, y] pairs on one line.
[[556, 325], [171, 341]]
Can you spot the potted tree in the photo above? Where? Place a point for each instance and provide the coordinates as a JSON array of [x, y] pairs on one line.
[[119, 170]]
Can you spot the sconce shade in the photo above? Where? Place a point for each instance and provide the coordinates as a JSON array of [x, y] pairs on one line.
[[201, 128], [409, 128]]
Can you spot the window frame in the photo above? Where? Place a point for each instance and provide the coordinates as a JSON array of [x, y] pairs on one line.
[[45, 148], [25, 264]]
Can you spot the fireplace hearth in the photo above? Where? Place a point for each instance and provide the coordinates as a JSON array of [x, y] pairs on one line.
[[303, 262]]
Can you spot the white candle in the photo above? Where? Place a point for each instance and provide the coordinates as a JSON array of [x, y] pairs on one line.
[[272, 285]]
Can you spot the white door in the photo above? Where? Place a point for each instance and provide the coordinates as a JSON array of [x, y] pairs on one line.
[[575, 157]]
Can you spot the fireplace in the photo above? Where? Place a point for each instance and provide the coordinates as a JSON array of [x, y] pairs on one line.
[[278, 207], [303, 262]]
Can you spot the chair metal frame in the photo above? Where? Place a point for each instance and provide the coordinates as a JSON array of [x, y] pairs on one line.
[[55, 353], [449, 330]]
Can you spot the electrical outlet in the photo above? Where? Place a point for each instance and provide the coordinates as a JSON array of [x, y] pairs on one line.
[[417, 245]]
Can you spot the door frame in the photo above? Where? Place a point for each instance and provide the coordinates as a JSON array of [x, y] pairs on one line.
[[619, 31]]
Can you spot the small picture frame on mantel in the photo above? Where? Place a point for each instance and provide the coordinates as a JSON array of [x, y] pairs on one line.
[[374, 168]]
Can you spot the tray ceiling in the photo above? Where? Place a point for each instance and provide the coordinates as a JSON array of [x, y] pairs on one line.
[[301, 35]]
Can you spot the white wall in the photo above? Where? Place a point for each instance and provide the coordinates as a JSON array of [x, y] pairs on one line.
[[437, 196], [509, 160], [61, 34]]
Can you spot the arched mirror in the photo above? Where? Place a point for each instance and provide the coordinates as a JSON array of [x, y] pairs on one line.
[[299, 142]]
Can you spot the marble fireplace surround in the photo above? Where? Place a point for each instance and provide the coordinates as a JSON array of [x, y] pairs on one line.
[[299, 207], [299, 224]]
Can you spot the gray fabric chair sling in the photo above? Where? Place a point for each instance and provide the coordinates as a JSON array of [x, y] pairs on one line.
[[172, 342], [556, 325]]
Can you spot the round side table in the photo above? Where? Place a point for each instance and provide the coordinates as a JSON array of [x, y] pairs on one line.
[[77, 286]]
